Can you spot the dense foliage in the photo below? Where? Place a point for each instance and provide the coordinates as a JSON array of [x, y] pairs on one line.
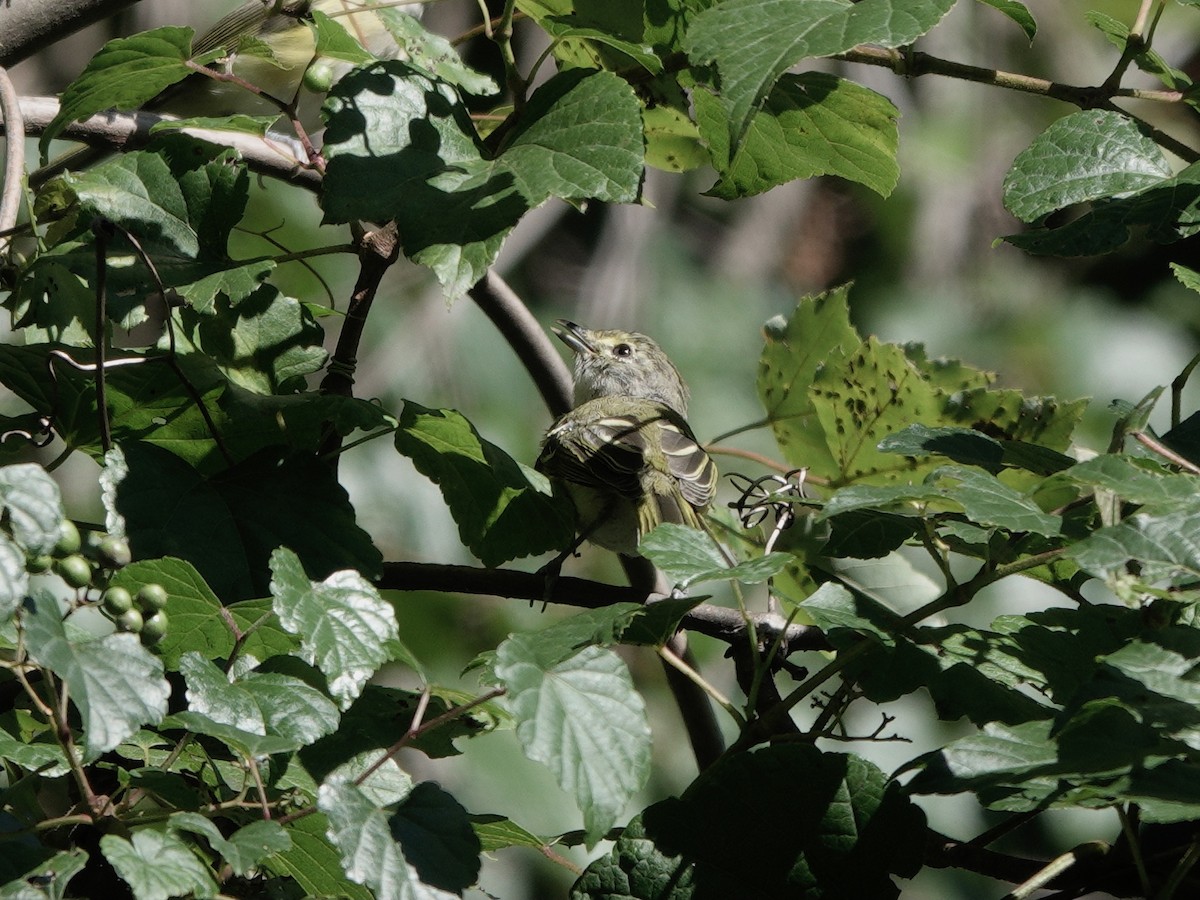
[[188, 696]]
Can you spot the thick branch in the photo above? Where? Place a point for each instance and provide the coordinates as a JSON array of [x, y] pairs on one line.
[[276, 155], [714, 621], [31, 25]]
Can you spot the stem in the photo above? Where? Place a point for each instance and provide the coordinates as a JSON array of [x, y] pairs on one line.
[[103, 230], [14, 156], [696, 678], [1166, 452]]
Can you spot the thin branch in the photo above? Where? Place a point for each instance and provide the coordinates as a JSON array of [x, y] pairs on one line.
[[1166, 452], [31, 25], [688, 672], [275, 155], [14, 156], [715, 621]]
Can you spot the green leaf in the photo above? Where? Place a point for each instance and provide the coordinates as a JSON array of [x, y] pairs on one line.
[[579, 137], [964, 445], [1165, 547], [809, 124], [636, 869], [314, 862], [52, 877], [497, 833], [433, 53], [795, 349], [32, 505], [335, 42], [501, 511], [857, 830], [1168, 210], [114, 682], [1189, 278], [582, 718], [833, 607], [1144, 56], [196, 621], [243, 850], [1136, 480], [1018, 12], [266, 342], [262, 703], [157, 865], [437, 839], [249, 744], [690, 556], [753, 42], [370, 856], [1083, 156], [236, 283], [343, 623], [227, 526], [239, 123], [125, 74]]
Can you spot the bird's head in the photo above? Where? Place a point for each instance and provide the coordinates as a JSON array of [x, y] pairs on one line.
[[621, 364]]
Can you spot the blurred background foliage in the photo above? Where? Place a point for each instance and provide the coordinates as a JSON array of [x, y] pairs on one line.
[[701, 275]]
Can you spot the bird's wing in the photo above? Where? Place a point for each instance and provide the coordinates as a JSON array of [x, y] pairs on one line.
[[607, 453], [692, 468]]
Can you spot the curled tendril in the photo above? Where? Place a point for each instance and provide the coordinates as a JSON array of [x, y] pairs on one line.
[[769, 496], [38, 436]]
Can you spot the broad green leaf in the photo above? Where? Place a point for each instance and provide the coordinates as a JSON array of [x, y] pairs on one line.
[[578, 137], [245, 848], [434, 53], [437, 839], [964, 445], [753, 42], [692, 557], [857, 830], [157, 865], [582, 718], [238, 122], [236, 283], [196, 621], [1136, 480], [51, 876], [833, 607], [14, 578], [227, 526], [1083, 156], [1168, 210], [314, 862], [501, 511], [114, 682], [1189, 278], [262, 703], [795, 349], [370, 855], [562, 27], [266, 342], [343, 623], [635, 868], [1166, 547], [32, 506], [1018, 12], [125, 74], [335, 42], [45, 756], [1144, 57], [246, 743], [997, 751], [809, 124]]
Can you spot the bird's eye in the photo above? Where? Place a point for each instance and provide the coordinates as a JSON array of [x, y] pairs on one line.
[[622, 350]]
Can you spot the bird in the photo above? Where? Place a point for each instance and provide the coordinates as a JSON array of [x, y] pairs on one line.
[[625, 453]]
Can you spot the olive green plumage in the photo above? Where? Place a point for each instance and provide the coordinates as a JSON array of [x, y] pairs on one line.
[[625, 454]]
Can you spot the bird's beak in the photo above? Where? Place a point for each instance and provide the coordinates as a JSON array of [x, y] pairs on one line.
[[574, 336]]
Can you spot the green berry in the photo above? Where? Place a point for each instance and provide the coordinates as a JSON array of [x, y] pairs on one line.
[[75, 570], [318, 77], [152, 597], [39, 564], [114, 551], [117, 601], [154, 628], [130, 620], [68, 539]]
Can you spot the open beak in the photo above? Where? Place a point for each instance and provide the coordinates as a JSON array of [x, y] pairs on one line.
[[574, 336]]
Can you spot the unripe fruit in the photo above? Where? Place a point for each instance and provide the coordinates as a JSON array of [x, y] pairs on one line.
[[114, 551], [130, 620], [154, 628], [318, 77], [117, 601], [68, 539], [39, 564], [152, 597], [75, 570]]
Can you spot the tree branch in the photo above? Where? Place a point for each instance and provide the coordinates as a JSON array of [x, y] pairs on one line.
[[275, 155], [31, 25], [715, 621]]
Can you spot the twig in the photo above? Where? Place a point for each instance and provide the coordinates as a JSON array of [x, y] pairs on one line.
[[696, 678], [1165, 452], [718, 622]]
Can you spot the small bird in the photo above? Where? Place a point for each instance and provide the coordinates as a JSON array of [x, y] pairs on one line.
[[625, 453]]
